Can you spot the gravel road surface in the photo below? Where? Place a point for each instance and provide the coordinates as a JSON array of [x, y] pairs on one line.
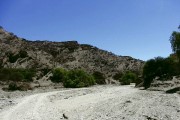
[[96, 103]]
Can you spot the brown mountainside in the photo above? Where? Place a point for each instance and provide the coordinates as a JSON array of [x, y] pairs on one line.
[[16, 52]]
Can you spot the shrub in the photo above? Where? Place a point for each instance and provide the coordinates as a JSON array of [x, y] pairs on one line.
[[128, 77], [158, 67], [54, 53], [27, 74], [99, 77], [16, 74], [78, 78], [22, 86], [13, 86], [23, 54], [118, 76], [58, 75], [4, 74], [72, 78], [175, 43], [13, 58]]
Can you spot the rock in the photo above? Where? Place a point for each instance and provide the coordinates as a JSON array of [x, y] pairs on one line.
[[64, 116], [128, 101], [149, 118]]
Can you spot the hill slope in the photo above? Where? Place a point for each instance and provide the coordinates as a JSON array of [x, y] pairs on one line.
[[16, 52]]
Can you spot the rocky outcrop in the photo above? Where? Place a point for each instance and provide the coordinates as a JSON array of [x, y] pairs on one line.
[[17, 52]]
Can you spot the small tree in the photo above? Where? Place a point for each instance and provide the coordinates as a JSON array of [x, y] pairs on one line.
[[175, 43], [59, 75], [148, 72], [158, 67], [128, 77]]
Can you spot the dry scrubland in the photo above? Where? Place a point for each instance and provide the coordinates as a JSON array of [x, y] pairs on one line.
[[108, 102], [34, 61]]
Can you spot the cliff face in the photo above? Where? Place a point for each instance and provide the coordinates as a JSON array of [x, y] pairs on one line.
[[16, 52]]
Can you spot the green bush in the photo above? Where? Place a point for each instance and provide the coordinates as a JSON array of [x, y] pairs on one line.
[[13, 58], [4, 74], [58, 75], [16, 74], [28, 74], [78, 78], [175, 43], [163, 68], [99, 77], [72, 78], [23, 54], [118, 76], [128, 78]]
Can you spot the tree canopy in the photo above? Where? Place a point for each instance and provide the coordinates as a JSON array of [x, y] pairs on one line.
[[175, 43], [158, 67]]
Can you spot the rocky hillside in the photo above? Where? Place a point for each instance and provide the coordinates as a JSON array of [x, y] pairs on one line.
[[16, 52]]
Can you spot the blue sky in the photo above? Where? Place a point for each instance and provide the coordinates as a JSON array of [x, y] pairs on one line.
[[137, 28]]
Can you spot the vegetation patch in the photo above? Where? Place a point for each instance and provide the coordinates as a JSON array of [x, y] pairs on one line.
[[72, 78], [14, 74], [128, 77], [22, 86], [77, 79], [14, 57], [118, 76], [99, 77], [59, 74], [164, 68]]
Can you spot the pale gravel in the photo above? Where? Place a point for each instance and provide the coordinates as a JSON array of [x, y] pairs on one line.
[[96, 103]]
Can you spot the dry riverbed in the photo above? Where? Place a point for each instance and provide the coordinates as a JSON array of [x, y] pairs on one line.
[[109, 102]]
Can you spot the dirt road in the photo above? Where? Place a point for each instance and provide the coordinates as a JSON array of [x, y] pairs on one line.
[[96, 103]]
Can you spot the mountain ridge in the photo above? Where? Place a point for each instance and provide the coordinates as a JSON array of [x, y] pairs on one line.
[[17, 52]]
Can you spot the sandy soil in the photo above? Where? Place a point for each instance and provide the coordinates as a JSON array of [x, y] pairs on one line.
[[95, 103]]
